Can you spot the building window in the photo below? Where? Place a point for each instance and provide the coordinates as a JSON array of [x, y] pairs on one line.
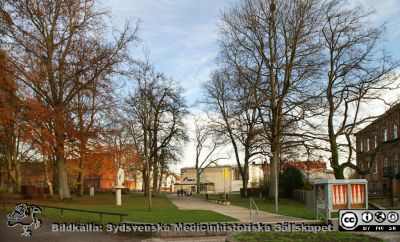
[[385, 162], [374, 168], [386, 167], [375, 141], [395, 134], [361, 145], [385, 134], [237, 175], [396, 164], [368, 144]]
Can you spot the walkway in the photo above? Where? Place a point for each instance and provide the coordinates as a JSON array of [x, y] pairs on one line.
[[240, 213]]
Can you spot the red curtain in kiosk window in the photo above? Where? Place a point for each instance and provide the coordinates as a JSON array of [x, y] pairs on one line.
[[340, 196], [357, 195]]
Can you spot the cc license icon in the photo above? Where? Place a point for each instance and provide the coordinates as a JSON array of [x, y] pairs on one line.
[[367, 217], [393, 217], [349, 220], [380, 217]]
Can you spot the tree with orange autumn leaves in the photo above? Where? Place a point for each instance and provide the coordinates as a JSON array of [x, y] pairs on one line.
[[58, 49], [59, 105]]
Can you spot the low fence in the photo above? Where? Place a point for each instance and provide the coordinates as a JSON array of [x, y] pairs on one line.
[[379, 193], [253, 192], [304, 196], [300, 195], [62, 209]]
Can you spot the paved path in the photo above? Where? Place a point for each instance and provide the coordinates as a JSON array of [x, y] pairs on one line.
[[240, 213]]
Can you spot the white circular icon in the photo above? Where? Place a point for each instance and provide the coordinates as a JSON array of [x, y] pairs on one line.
[[349, 220], [380, 217], [393, 217], [367, 217]]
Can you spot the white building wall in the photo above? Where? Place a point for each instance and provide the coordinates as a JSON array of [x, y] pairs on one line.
[[215, 175]]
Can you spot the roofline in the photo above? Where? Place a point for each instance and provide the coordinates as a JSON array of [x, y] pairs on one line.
[[221, 166], [192, 167], [391, 109]]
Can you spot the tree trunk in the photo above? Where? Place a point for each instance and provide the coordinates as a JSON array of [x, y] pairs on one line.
[[10, 177], [46, 176], [144, 184], [63, 186], [160, 182], [81, 167], [273, 181], [148, 184], [155, 176], [198, 180], [244, 182], [339, 172], [55, 175], [18, 177], [245, 174]]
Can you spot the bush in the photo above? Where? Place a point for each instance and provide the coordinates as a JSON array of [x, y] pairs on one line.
[[289, 180]]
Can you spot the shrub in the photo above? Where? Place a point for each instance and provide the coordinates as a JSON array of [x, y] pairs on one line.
[[289, 180]]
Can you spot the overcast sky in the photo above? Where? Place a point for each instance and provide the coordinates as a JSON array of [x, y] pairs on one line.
[[181, 36]]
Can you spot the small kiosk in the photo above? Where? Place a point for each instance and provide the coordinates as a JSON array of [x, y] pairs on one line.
[[332, 195]]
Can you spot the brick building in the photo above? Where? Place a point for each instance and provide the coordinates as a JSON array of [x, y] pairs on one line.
[[381, 139]]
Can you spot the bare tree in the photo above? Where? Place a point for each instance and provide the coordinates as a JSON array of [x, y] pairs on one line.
[[358, 70], [206, 145], [59, 48], [86, 109], [15, 128], [155, 113], [272, 46], [236, 118]]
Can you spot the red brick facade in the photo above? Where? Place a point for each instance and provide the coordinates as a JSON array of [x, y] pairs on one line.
[[381, 138]]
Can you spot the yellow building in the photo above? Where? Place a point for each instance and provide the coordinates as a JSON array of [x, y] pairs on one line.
[[219, 178]]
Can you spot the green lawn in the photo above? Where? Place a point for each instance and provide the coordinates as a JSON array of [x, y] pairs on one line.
[[304, 237], [287, 207], [135, 205]]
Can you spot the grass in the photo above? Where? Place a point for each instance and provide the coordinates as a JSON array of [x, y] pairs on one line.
[[135, 205], [304, 237], [286, 207]]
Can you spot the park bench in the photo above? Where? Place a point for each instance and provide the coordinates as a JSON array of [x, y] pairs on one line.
[[218, 199]]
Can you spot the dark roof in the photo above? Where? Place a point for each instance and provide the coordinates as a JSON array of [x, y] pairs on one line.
[[382, 116]]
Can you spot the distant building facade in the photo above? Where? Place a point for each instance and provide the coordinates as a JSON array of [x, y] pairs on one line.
[[310, 169], [219, 178], [381, 139]]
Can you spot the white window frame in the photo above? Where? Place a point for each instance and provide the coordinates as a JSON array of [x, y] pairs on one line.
[[395, 131], [374, 169], [385, 136], [375, 141], [367, 144]]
